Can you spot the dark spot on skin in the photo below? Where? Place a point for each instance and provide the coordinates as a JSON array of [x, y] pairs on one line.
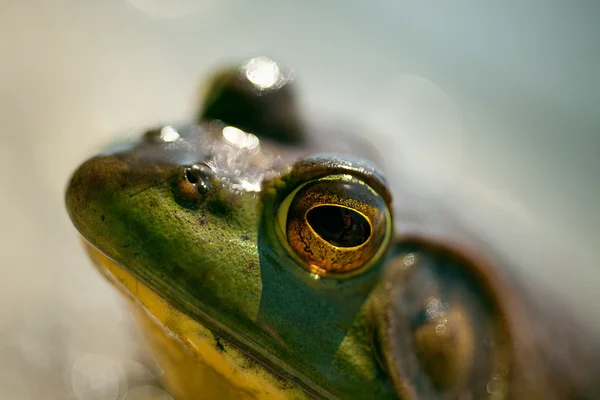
[[220, 346], [252, 264], [201, 221], [245, 237], [102, 217]]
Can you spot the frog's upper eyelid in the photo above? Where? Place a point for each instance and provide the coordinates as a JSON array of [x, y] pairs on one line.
[[319, 165]]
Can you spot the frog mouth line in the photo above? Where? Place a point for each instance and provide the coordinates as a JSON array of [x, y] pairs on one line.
[[145, 297]]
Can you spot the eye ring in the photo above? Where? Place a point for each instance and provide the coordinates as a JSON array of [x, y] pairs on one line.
[[335, 226]]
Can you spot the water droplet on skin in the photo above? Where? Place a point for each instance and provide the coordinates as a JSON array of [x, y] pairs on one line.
[[168, 134], [435, 308], [263, 73], [495, 385], [408, 261], [440, 329], [239, 138]]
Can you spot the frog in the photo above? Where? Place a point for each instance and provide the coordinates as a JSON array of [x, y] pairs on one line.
[[266, 258]]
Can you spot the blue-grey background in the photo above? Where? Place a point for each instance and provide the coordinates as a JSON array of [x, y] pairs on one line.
[[493, 108]]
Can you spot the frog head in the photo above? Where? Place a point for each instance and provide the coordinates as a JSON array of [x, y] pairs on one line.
[[289, 252]]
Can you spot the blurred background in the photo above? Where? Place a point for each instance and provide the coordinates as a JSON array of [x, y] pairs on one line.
[[492, 109]]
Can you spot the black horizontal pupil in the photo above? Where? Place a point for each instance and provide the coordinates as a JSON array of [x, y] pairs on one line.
[[339, 226]]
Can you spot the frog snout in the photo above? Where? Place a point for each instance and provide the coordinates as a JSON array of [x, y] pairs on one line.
[[102, 186]]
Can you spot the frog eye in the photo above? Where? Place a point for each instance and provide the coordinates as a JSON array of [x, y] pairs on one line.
[[192, 183], [335, 225], [442, 333]]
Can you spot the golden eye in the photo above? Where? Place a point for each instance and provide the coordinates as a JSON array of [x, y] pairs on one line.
[[335, 225]]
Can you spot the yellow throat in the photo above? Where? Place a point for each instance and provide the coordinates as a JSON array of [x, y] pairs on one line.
[[197, 364]]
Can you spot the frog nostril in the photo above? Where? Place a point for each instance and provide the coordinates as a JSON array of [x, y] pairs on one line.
[[191, 175], [193, 183]]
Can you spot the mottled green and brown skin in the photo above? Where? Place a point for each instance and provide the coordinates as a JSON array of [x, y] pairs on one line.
[[195, 216]]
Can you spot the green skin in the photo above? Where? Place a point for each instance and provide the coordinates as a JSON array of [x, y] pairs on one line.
[[218, 258]]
